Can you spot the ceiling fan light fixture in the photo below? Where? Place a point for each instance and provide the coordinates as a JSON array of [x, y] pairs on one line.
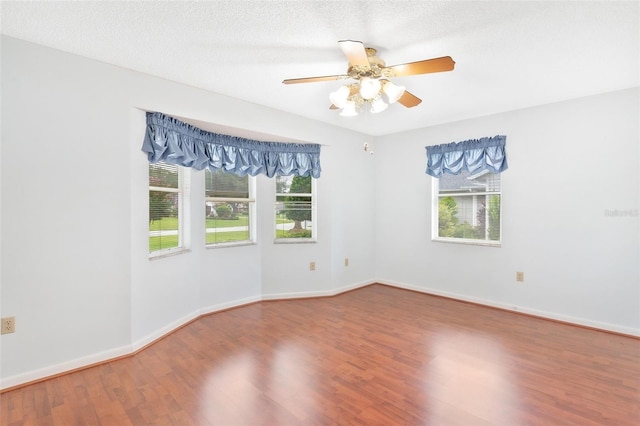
[[378, 105], [369, 87], [349, 109], [371, 76], [392, 91], [340, 96]]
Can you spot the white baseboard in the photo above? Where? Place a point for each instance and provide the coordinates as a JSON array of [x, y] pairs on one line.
[[84, 362], [64, 367], [509, 307], [159, 334], [308, 294], [173, 326], [228, 305]]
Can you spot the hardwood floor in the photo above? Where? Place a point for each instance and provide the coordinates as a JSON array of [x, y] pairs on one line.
[[373, 356]]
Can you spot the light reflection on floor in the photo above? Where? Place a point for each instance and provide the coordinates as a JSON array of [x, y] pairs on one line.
[[287, 382], [471, 370], [232, 377]]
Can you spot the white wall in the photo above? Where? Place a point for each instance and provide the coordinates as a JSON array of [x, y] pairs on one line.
[[65, 210], [345, 196], [569, 162], [75, 267]]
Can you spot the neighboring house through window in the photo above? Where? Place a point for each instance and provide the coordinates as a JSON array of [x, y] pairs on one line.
[[467, 208], [295, 206], [229, 208]]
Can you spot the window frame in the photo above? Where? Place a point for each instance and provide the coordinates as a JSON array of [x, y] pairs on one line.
[[435, 218], [251, 201], [183, 211], [314, 215]]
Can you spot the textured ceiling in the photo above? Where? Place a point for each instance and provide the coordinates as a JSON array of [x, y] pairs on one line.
[[509, 55]]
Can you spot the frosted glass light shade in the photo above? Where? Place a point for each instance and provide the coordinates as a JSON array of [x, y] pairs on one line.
[[378, 105], [339, 97], [349, 109], [369, 87], [392, 91]]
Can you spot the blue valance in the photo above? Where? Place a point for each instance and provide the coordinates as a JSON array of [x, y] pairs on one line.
[[173, 141], [473, 155]]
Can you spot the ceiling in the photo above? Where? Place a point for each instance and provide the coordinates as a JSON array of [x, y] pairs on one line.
[[509, 54]]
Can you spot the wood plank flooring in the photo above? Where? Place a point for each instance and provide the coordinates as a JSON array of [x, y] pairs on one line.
[[373, 356]]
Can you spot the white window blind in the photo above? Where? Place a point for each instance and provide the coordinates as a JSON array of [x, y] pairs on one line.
[[166, 193], [229, 208]]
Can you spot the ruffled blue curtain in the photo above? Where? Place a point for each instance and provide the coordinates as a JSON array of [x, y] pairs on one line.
[[173, 141], [473, 155]]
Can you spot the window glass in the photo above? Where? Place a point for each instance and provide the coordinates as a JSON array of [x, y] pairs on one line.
[[165, 207], [295, 208], [229, 205], [468, 208]]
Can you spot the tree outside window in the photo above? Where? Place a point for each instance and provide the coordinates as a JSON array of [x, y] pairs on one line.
[[468, 207], [294, 207]]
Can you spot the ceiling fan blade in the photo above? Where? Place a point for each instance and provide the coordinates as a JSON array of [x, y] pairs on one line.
[[409, 100], [423, 67], [314, 79], [355, 52]]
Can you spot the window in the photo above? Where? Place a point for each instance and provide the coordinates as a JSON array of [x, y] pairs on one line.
[[295, 208], [467, 208], [166, 208], [229, 208]]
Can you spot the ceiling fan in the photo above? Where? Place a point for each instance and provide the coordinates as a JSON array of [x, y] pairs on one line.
[[372, 85]]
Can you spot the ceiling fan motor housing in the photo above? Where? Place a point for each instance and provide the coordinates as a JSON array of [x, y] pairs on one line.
[[376, 69]]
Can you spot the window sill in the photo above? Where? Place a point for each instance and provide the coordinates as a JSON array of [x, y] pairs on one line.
[[227, 245], [468, 242], [295, 241], [168, 253]]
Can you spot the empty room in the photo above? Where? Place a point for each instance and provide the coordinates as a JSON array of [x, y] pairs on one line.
[[320, 213]]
